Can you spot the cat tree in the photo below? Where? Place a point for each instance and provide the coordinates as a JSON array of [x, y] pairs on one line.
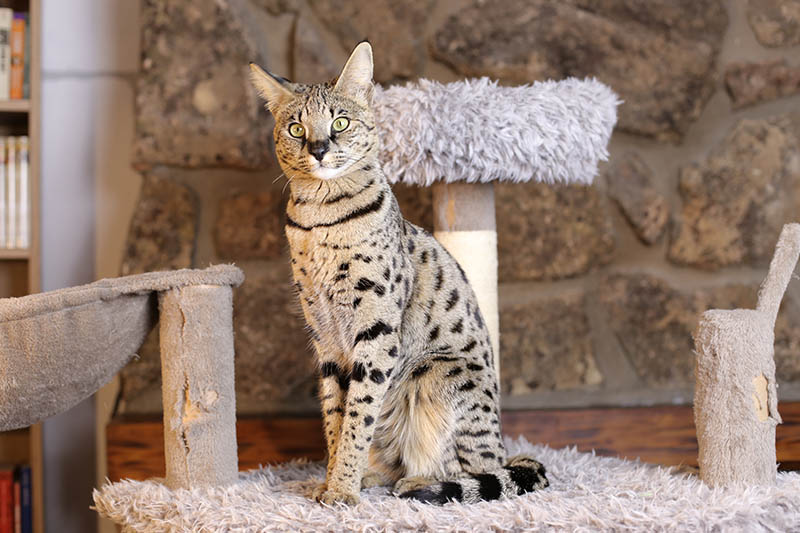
[[462, 137]]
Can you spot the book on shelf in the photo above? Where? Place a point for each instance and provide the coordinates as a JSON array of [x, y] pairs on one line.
[[14, 193], [17, 73], [15, 45], [23, 474], [6, 499], [6, 18], [16, 510]]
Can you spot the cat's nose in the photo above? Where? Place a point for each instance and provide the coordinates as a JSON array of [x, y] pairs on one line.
[[318, 148]]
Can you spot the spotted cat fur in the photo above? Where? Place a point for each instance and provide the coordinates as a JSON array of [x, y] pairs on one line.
[[408, 391]]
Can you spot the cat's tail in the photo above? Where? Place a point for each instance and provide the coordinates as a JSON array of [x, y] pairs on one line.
[[520, 475]]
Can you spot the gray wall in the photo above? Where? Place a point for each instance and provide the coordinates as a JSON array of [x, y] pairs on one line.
[[89, 51]]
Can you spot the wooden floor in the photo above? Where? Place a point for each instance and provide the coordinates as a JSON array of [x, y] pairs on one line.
[[664, 435]]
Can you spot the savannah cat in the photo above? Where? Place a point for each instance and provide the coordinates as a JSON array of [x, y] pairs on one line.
[[408, 391]]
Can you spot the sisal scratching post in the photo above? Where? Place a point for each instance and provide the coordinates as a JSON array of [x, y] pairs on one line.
[[198, 386], [462, 137], [736, 400]]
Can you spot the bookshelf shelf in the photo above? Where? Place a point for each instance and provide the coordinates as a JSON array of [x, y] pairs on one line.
[[15, 106], [14, 254]]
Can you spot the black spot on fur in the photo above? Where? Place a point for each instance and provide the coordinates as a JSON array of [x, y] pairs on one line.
[[439, 279], [344, 266], [329, 368], [473, 366], [444, 358], [448, 491], [423, 257], [420, 371], [489, 486], [364, 284], [359, 372], [393, 351], [356, 301], [452, 300], [488, 393], [525, 478], [470, 346], [411, 246], [387, 274], [378, 328], [368, 420], [458, 327], [354, 413], [380, 290], [469, 385], [366, 399], [434, 334], [377, 376], [487, 455], [455, 371]]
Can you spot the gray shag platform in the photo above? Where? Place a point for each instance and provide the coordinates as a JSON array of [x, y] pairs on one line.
[[59, 347], [587, 493]]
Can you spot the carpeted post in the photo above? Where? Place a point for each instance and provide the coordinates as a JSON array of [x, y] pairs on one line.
[[464, 222], [736, 400], [198, 386]]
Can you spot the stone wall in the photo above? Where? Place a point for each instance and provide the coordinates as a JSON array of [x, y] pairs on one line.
[[601, 287]]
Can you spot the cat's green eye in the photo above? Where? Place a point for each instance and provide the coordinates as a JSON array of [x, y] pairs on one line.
[[296, 130], [340, 124]]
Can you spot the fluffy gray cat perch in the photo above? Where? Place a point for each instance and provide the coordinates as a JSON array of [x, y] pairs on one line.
[[462, 137]]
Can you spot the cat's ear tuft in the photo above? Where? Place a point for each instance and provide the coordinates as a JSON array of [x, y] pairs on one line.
[[356, 76], [275, 90]]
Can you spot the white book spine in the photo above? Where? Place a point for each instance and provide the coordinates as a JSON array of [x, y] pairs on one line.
[[3, 199], [11, 192], [6, 17], [23, 228]]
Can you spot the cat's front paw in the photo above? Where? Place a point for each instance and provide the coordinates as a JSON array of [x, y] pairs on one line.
[[318, 490], [330, 497]]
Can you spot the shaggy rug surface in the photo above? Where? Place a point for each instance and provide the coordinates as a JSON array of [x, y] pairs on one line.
[[586, 493]]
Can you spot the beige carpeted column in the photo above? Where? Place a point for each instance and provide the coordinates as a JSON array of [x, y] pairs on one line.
[[736, 398], [198, 386], [464, 222]]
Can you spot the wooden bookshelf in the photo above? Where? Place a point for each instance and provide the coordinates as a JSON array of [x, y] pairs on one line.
[[20, 269]]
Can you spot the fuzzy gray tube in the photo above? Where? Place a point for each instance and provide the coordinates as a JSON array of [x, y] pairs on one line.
[[736, 399], [197, 375]]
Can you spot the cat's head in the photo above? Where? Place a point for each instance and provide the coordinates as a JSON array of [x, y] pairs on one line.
[[326, 130]]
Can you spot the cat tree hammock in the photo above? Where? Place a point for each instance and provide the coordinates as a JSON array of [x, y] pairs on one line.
[[57, 348]]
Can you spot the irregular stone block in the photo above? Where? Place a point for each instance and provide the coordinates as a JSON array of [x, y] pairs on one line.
[[654, 322], [416, 204], [314, 59], [194, 104], [250, 226], [630, 184], [658, 57], [736, 202], [395, 29], [752, 83], [546, 345], [163, 228], [551, 232], [775, 22], [275, 367]]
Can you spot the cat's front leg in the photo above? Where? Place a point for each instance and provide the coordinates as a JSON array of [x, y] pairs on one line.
[[333, 384], [374, 356]]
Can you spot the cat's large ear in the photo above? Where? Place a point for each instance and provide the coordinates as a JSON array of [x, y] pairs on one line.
[[273, 89], [356, 76]]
